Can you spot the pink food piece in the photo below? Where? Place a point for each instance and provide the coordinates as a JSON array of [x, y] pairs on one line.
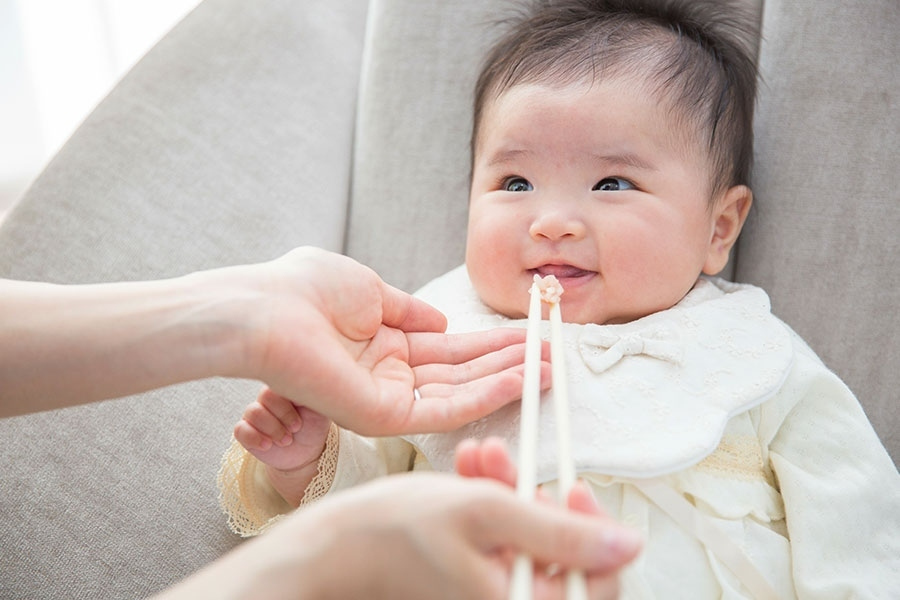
[[550, 288]]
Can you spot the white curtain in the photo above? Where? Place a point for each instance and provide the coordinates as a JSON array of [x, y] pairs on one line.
[[58, 58]]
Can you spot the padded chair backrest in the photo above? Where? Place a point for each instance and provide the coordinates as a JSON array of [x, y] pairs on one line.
[[825, 237], [409, 207]]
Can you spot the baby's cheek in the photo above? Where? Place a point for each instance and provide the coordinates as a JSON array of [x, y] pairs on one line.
[[488, 248], [495, 288], [494, 260]]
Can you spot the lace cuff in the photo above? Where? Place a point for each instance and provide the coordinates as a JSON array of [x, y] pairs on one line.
[[248, 498], [327, 468]]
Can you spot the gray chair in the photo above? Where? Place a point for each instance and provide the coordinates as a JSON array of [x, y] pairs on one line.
[[255, 127]]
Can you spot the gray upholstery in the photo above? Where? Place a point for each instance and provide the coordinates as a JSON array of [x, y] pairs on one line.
[[254, 127], [824, 239]]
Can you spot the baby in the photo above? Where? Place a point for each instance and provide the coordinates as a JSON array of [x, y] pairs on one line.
[[612, 148]]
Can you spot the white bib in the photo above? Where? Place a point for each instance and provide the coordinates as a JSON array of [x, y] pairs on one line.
[[648, 397]]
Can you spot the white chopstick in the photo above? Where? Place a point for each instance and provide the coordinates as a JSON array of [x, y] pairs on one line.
[[523, 568], [576, 584]]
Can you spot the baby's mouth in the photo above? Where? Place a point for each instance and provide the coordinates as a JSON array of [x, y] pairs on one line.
[[562, 271]]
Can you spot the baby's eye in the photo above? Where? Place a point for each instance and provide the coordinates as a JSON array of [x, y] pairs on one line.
[[613, 184], [517, 184]]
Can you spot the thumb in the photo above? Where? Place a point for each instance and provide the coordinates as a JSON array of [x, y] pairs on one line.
[[407, 313], [573, 540]]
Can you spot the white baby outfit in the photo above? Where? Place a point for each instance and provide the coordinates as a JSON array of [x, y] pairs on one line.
[[710, 427]]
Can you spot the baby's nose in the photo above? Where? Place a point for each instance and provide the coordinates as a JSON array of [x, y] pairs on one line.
[[556, 224]]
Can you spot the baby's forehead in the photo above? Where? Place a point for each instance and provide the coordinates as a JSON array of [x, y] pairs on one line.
[[675, 125]]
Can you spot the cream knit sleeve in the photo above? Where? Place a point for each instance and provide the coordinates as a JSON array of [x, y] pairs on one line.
[[840, 487]]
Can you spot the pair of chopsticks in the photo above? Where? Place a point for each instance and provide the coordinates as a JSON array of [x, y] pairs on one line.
[[550, 290]]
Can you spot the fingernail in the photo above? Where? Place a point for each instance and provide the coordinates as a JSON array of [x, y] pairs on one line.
[[624, 540]]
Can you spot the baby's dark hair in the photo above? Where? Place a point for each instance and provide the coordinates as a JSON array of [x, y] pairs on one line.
[[695, 55]]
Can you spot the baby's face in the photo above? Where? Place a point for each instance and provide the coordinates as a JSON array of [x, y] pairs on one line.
[[592, 184]]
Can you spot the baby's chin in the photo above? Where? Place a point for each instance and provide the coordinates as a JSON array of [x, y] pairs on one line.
[[578, 313], [504, 306], [570, 314], [573, 315]]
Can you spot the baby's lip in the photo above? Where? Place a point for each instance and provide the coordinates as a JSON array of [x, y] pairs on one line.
[[562, 271]]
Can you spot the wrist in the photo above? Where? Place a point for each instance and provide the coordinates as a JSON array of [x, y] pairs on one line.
[[224, 314], [291, 484], [309, 482]]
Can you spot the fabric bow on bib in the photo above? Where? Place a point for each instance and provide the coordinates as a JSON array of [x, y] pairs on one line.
[[601, 349]]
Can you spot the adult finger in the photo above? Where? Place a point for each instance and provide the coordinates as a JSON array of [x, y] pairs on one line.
[[549, 586], [458, 348], [496, 462], [407, 313], [581, 499], [465, 458], [489, 458], [444, 407], [476, 368], [557, 536]]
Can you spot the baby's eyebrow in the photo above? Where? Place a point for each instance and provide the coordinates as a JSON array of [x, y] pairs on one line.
[[506, 156], [627, 159]]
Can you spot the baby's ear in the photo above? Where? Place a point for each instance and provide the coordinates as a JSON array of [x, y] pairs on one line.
[[729, 215]]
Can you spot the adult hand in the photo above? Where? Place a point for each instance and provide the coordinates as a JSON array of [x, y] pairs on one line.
[[317, 327], [334, 337], [417, 535], [490, 459]]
